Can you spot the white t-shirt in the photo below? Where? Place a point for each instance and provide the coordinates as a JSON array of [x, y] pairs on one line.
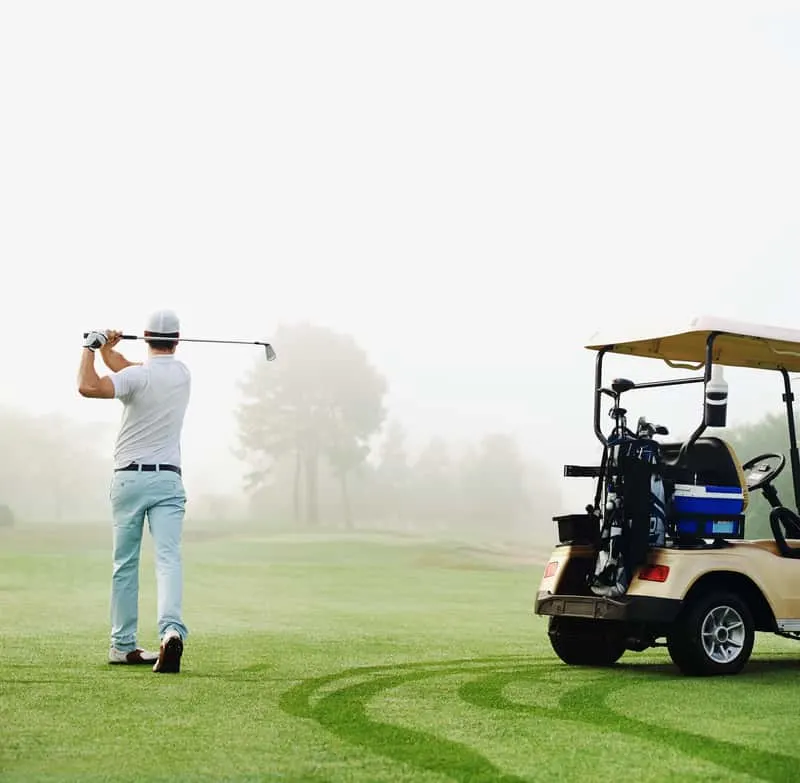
[[155, 396]]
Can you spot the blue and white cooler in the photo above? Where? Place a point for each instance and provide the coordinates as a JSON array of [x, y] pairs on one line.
[[708, 511]]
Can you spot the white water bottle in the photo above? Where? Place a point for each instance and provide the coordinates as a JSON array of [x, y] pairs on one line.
[[716, 398]]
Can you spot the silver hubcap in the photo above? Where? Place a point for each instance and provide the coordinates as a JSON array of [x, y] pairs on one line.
[[722, 634]]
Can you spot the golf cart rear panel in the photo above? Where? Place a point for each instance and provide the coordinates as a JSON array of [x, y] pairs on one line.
[[671, 573]]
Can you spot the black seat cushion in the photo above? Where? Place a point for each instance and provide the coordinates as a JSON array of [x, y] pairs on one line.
[[708, 461]]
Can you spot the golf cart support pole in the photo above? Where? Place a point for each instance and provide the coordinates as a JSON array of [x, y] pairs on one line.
[[706, 378], [598, 393], [794, 456], [599, 390]]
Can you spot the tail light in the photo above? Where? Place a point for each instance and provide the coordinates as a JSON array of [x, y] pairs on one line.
[[550, 569], [654, 573]]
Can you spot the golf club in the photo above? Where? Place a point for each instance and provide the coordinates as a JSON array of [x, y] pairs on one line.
[[267, 347]]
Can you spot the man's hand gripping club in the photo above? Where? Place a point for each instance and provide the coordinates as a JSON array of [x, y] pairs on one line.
[[95, 340]]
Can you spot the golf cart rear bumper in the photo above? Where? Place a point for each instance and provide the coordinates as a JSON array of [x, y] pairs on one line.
[[633, 608]]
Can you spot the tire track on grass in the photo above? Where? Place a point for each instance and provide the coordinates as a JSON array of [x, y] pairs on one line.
[[338, 703], [588, 704], [344, 712]]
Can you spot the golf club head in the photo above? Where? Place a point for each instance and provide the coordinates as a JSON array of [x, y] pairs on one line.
[[270, 353]]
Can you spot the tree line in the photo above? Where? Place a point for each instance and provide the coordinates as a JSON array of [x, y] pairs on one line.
[[321, 450], [53, 468]]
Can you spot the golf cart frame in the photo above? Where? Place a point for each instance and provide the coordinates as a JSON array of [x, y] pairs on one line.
[[788, 399], [684, 581]]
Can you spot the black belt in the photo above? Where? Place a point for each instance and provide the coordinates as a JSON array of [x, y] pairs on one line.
[[136, 466]]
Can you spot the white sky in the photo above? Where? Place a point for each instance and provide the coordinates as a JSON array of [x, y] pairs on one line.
[[470, 189]]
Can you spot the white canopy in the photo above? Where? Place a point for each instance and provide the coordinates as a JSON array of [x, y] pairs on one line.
[[739, 344]]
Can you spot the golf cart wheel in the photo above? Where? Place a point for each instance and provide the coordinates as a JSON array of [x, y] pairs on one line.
[[714, 636], [580, 642]]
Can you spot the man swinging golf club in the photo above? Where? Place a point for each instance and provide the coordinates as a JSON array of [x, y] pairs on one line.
[[147, 481]]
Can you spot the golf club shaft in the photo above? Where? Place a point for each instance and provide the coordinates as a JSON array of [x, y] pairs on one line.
[[269, 349], [187, 339]]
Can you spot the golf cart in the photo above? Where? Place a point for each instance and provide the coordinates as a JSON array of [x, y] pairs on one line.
[[660, 553]]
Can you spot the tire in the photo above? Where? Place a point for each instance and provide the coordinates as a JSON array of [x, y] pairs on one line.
[[580, 642], [696, 652]]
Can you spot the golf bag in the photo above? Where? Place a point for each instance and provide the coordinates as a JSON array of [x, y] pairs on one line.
[[634, 511]]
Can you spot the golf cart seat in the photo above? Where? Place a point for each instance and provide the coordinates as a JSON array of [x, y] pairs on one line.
[[710, 492], [708, 461]]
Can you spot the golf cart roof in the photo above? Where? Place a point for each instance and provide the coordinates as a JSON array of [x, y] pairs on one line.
[[739, 344]]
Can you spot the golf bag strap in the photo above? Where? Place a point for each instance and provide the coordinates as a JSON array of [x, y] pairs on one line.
[[599, 492]]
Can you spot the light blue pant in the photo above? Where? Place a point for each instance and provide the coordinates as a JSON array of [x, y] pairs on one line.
[[161, 497]]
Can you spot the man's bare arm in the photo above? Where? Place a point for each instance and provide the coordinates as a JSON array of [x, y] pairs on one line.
[[114, 360], [89, 383]]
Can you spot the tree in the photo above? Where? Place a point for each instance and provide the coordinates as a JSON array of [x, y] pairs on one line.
[[345, 453], [434, 492], [393, 473], [494, 482], [321, 398], [393, 459]]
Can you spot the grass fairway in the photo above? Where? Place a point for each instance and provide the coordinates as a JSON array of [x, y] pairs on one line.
[[354, 659]]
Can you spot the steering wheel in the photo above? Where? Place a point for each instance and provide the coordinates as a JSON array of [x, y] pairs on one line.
[[761, 470]]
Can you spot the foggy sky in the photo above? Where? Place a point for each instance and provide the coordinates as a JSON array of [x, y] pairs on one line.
[[470, 189]]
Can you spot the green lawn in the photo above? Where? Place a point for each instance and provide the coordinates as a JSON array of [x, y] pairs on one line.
[[349, 659]]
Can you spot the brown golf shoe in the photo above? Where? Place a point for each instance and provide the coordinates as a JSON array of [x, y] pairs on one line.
[[169, 656]]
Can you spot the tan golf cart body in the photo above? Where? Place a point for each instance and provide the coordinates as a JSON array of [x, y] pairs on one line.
[[755, 583]]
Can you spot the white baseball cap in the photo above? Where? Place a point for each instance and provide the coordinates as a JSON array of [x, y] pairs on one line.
[[163, 323]]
